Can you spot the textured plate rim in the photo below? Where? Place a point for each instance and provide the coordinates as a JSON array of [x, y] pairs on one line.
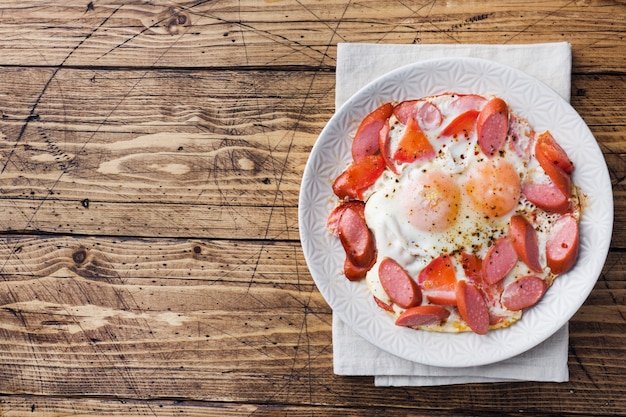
[[352, 302]]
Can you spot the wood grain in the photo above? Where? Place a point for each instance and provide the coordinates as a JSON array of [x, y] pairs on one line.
[[153, 315], [191, 156], [201, 33]]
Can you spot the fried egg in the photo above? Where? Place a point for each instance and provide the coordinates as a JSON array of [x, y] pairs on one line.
[[460, 201]]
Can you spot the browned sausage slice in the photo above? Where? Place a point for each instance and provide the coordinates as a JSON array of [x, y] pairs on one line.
[[365, 142], [380, 303], [524, 238], [356, 238], [422, 316], [332, 223], [356, 273]]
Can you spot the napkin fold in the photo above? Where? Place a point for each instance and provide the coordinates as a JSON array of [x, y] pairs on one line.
[[357, 65]]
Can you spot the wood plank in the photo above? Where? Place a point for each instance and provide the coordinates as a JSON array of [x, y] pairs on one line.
[[212, 145], [33, 406], [18, 406], [199, 33], [180, 262], [145, 319]]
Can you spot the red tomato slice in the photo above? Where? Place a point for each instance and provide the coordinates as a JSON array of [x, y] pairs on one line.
[[438, 281], [365, 141], [462, 125], [358, 176], [414, 145], [472, 266]]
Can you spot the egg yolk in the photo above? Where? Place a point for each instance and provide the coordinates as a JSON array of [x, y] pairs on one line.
[[493, 186], [431, 201]]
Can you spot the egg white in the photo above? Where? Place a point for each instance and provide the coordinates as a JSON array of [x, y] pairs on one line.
[[472, 231]]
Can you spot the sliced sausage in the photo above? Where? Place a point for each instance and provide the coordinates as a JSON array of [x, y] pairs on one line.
[[472, 307], [524, 238], [406, 110], [547, 197], [365, 142], [562, 245], [549, 149], [424, 112], [492, 126], [356, 273], [384, 142], [356, 238], [429, 116], [467, 102], [554, 161], [422, 316], [499, 260], [380, 303], [523, 292], [332, 223], [398, 284]]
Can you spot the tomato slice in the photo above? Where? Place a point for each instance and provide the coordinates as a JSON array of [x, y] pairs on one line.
[[358, 176], [462, 125], [472, 266], [438, 281], [365, 142], [414, 145]]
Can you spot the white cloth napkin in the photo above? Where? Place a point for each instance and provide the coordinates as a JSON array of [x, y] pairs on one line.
[[357, 65]]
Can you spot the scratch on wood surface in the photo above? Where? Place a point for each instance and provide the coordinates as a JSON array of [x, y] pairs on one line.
[[540, 20], [295, 46], [65, 162], [279, 173], [33, 111], [414, 12]]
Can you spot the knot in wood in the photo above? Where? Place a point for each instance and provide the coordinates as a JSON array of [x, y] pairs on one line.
[[176, 21], [79, 256]]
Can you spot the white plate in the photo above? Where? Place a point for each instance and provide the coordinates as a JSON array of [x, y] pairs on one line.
[[528, 98]]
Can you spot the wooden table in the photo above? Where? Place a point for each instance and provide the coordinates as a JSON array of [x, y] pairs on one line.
[[152, 154]]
